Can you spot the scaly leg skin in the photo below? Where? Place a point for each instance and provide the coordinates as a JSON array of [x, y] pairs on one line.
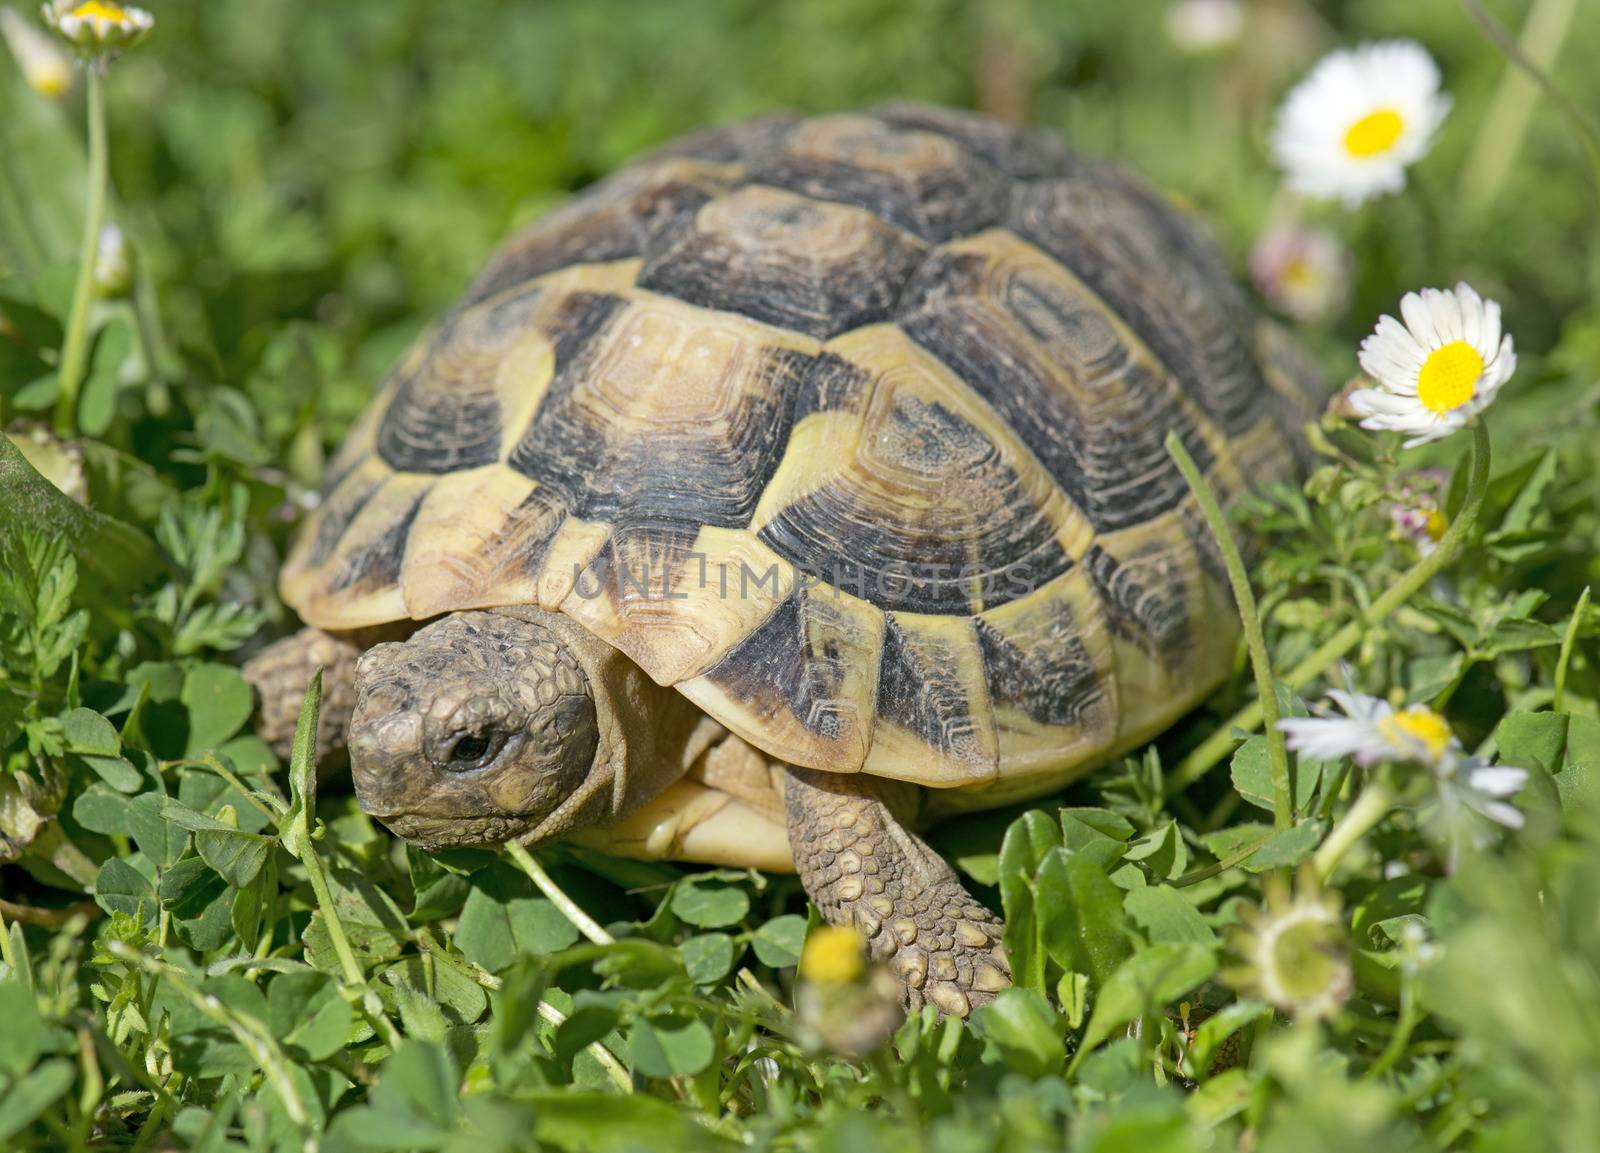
[[280, 673], [864, 869]]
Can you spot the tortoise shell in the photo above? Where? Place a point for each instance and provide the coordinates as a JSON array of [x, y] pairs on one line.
[[849, 428]]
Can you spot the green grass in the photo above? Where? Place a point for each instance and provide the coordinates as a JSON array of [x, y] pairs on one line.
[[200, 951]]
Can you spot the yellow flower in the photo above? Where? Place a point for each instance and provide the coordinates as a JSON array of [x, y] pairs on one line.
[[844, 1005], [832, 956], [98, 27], [46, 68]]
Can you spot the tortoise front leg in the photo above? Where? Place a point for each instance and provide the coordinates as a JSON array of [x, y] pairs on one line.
[[280, 673], [864, 869]]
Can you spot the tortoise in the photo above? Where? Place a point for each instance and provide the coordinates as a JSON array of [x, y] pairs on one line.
[[795, 488]]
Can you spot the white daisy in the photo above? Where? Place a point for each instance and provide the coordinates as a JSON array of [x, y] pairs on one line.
[[1372, 731], [1439, 369], [1304, 273], [1351, 128], [96, 27]]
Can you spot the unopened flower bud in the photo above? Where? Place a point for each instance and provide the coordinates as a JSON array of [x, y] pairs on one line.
[[113, 267], [845, 1004], [45, 67], [98, 28]]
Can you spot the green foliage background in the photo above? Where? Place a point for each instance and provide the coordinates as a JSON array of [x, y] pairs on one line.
[[304, 186]]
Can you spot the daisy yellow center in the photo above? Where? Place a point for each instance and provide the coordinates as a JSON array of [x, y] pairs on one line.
[[1374, 134], [1435, 525], [1299, 273], [99, 9], [1449, 377], [1421, 725], [832, 956]]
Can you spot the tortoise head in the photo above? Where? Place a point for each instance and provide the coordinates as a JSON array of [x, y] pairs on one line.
[[479, 729]]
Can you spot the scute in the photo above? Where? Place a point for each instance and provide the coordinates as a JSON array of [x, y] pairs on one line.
[[1086, 396], [787, 260], [922, 182], [850, 428], [910, 495]]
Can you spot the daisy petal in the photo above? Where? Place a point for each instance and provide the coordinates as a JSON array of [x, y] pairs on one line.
[[1503, 814], [1497, 780]]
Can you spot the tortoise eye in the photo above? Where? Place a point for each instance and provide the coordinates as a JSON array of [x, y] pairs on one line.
[[471, 751]]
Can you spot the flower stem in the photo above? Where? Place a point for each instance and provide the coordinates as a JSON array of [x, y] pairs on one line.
[[608, 1060], [75, 346], [1221, 742], [363, 999], [1577, 121], [1409, 1016], [1360, 819], [1503, 129], [586, 924], [353, 973], [1255, 639]]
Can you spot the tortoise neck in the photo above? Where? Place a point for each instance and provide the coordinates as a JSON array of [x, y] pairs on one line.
[[649, 734]]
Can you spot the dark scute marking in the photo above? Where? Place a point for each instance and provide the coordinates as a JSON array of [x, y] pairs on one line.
[[914, 180], [919, 691], [732, 143], [607, 470], [1051, 678], [786, 261], [646, 563], [703, 477], [341, 507], [966, 538], [619, 219], [829, 383], [445, 414], [1021, 153], [1146, 608], [523, 542], [434, 430], [777, 664], [376, 565], [1160, 275], [1110, 461], [572, 330], [561, 449]]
